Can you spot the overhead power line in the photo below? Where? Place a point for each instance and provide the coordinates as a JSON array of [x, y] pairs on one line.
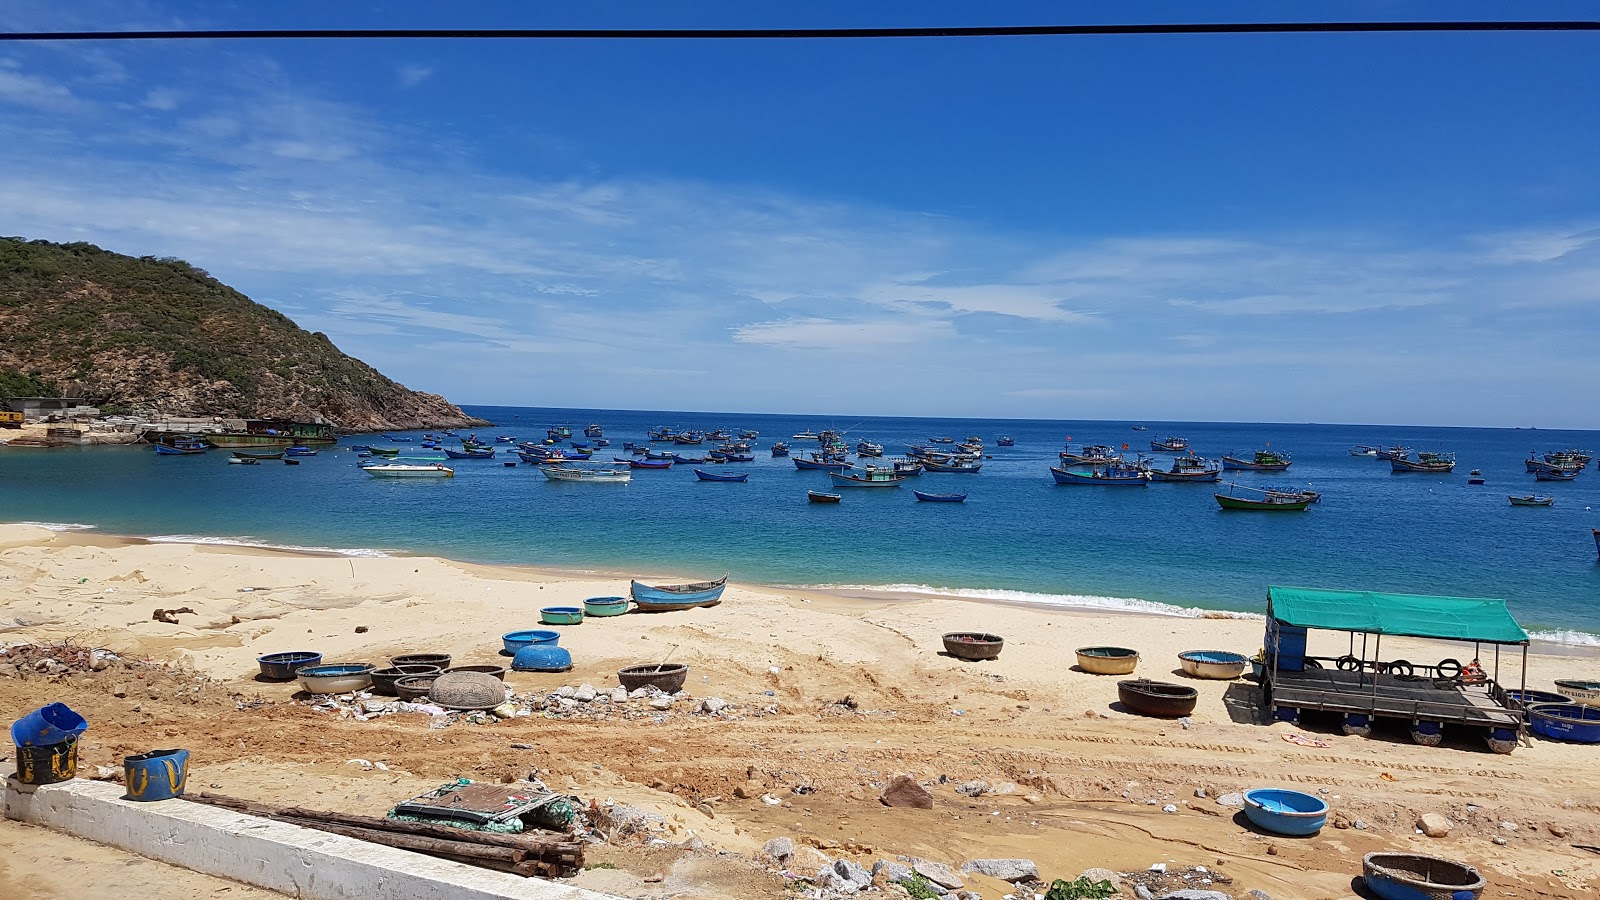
[[805, 33]]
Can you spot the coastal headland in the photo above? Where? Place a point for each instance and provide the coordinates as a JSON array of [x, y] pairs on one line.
[[828, 697]]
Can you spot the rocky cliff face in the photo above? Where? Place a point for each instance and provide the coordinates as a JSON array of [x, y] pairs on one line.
[[159, 335]]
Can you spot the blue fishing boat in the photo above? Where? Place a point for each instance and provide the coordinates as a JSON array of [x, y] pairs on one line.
[[397, 439], [780, 449], [593, 430], [299, 451], [738, 457], [1111, 476], [661, 598], [469, 453], [689, 437], [182, 448], [703, 475], [361, 448], [504, 439], [652, 453], [1170, 445], [580, 444], [1189, 468], [907, 467], [649, 463], [1005, 442], [952, 466], [745, 435], [681, 459], [939, 498], [1555, 475], [1096, 455], [868, 448]]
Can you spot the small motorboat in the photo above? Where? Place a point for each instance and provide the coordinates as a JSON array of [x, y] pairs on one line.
[[243, 461], [820, 497], [402, 470], [291, 462], [703, 475], [926, 497], [1107, 660], [248, 454], [1531, 500], [1216, 664], [1412, 876], [1475, 477], [1005, 442], [1157, 698], [1286, 812]]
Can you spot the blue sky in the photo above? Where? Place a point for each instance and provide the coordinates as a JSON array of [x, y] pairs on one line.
[[1375, 228]]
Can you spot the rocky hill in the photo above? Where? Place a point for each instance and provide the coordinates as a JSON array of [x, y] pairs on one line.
[[159, 335]]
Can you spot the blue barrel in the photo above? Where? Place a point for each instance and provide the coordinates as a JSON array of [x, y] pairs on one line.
[[1288, 643], [157, 775], [48, 726]]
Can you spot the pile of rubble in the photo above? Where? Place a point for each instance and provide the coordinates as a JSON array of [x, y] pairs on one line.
[[581, 702], [24, 660]]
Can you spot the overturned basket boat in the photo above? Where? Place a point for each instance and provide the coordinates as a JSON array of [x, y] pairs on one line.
[[1107, 660], [1412, 876], [973, 645], [1157, 698]]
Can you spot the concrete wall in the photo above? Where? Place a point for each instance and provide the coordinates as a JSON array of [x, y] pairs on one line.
[[299, 862]]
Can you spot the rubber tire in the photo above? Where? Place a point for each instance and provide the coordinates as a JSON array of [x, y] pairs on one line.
[[1402, 667], [1312, 664], [1451, 662], [1349, 663]]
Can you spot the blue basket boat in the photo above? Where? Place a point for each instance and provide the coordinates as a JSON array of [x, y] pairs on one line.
[[1285, 812], [1574, 722], [516, 640], [1412, 876], [282, 666]]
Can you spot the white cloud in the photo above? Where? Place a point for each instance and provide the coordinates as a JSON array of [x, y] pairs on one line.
[[19, 89], [832, 335], [412, 74], [163, 99]]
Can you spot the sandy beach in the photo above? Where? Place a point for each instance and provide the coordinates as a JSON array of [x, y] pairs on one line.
[[829, 694]]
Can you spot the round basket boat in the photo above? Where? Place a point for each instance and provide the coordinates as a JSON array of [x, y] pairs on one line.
[[513, 641], [1566, 722], [542, 658], [1586, 692], [1285, 812], [668, 677], [561, 615], [605, 606], [1215, 664], [1412, 876], [467, 691], [336, 678], [489, 669], [1518, 699], [282, 666], [440, 660], [415, 687], [1107, 660], [1157, 698], [973, 645], [384, 680]]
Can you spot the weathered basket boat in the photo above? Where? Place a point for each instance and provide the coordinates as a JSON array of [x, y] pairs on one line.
[[438, 660], [1586, 692], [561, 615], [415, 687], [1566, 722], [385, 680], [605, 606], [973, 645], [1217, 664], [1157, 698], [282, 666], [336, 678], [660, 598], [489, 669], [668, 677], [1412, 876], [1107, 660], [1285, 812]]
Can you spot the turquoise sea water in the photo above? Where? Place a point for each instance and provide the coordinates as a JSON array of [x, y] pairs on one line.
[[1166, 547]]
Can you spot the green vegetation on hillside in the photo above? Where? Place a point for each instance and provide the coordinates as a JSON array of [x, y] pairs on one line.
[[133, 330]]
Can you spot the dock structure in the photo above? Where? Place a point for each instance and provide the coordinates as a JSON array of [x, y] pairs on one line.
[[1362, 686]]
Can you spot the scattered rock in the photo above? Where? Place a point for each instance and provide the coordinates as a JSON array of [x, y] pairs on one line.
[[808, 859], [1003, 869], [903, 790], [1192, 894], [713, 705], [829, 880], [852, 873], [1098, 875], [361, 629], [566, 691], [750, 790], [1258, 895], [1234, 799], [1559, 831], [938, 873], [1434, 825], [1360, 825], [1201, 793], [1169, 808], [619, 695], [1002, 788], [661, 703], [1500, 841], [585, 694], [1340, 821], [1143, 893], [890, 870], [974, 788], [120, 691], [779, 848], [1508, 826]]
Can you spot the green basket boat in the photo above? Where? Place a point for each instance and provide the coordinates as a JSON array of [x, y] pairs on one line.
[[605, 606], [561, 615]]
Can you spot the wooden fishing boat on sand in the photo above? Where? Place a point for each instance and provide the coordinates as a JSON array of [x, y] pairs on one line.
[[666, 597]]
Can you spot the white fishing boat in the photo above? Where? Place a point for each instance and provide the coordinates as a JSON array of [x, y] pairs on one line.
[[572, 473], [405, 470]]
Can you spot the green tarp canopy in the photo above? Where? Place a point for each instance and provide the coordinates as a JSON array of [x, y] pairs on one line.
[[1413, 615]]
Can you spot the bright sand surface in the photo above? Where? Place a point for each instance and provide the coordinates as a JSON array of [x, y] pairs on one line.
[[1091, 779]]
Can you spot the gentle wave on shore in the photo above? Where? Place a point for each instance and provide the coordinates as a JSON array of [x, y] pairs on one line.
[[58, 526], [356, 552], [1074, 601], [1567, 637]]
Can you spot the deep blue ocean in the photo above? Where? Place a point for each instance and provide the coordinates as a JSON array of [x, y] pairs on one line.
[[1166, 547]]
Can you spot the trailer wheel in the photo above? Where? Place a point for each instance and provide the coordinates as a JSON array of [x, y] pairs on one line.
[[1402, 667], [1348, 663], [1449, 668]]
